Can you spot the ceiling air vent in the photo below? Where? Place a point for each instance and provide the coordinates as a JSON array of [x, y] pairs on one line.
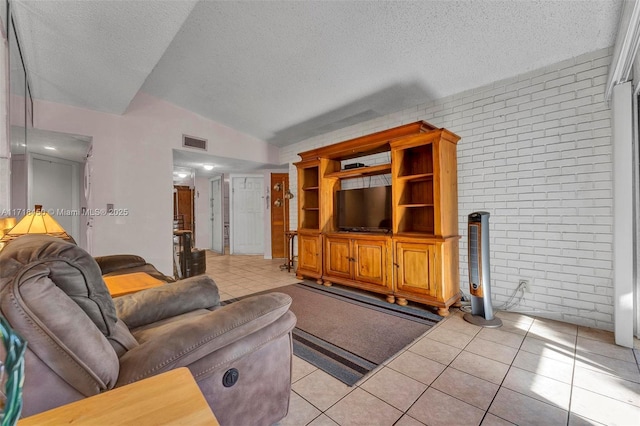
[[191, 142]]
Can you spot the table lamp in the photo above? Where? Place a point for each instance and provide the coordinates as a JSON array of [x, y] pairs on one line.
[[6, 224], [37, 222]]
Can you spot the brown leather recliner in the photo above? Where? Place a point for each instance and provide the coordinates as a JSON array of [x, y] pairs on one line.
[[81, 342]]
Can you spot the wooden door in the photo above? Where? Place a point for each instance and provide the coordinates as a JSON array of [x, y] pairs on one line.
[[183, 206], [279, 204], [370, 261], [338, 259], [416, 268], [309, 254]]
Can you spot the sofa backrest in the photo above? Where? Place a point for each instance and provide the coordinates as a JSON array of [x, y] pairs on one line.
[[53, 295]]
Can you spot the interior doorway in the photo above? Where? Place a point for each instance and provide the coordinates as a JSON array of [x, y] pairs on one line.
[[280, 196], [183, 207], [247, 214], [55, 186]]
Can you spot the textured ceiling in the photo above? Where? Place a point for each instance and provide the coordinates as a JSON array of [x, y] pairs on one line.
[[95, 54], [285, 71]]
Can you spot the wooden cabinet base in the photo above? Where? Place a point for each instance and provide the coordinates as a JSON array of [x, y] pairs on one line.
[[443, 312]]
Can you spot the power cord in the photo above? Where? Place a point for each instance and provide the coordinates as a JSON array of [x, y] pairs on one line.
[[509, 304]]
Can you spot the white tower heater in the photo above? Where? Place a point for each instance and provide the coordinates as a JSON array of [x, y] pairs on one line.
[[480, 272]]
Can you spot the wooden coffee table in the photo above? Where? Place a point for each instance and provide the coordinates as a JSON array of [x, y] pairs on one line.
[[171, 398], [119, 285]]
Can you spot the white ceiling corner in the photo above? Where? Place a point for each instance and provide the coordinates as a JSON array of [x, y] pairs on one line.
[[95, 54]]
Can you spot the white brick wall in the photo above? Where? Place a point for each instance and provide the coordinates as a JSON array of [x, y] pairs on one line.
[[535, 152]]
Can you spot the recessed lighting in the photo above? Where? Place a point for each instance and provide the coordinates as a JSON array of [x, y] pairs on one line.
[[182, 175], [50, 148], [208, 167]]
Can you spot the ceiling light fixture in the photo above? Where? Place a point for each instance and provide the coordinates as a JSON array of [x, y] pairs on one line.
[[182, 175], [208, 167], [50, 148]]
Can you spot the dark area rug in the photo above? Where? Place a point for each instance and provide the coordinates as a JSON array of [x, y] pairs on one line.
[[348, 333]]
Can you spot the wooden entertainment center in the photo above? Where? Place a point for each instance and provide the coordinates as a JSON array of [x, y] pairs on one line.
[[418, 259]]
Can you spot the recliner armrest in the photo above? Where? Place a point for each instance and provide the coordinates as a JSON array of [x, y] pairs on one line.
[[168, 300], [190, 341], [116, 262]]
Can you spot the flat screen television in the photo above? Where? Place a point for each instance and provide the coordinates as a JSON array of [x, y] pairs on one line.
[[364, 209]]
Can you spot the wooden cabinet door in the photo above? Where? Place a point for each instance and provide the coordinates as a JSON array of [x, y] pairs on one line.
[[416, 268], [370, 261], [338, 259], [309, 253]]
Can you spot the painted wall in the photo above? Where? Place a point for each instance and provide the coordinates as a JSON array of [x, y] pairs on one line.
[[132, 168], [536, 152]]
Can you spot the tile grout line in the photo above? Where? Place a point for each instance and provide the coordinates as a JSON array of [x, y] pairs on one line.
[[429, 385], [500, 386], [573, 374]]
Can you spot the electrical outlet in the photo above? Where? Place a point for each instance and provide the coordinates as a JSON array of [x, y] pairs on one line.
[[524, 284]]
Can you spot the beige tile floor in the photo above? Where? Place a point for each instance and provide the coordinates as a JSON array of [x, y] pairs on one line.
[[531, 371]]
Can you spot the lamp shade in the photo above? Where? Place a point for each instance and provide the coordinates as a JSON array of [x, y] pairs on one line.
[[6, 223], [37, 222]]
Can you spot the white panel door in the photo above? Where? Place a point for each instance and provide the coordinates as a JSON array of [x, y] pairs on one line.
[[217, 221], [247, 214]]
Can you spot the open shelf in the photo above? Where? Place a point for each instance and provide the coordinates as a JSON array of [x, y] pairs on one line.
[[415, 161], [416, 219], [379, 169], [310, 219], [310, 203], [415, 192], [310, 178]]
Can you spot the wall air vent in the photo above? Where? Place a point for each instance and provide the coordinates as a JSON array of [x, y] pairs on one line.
[[191, 142]]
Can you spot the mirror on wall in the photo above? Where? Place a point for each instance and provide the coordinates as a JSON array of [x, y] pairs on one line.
[[20, 117], [47, 168], [56, 176]]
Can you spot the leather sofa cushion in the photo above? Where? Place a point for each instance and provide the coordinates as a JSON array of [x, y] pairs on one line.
[[69, 267], [119, 261], [167, 301], [52, 291]]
